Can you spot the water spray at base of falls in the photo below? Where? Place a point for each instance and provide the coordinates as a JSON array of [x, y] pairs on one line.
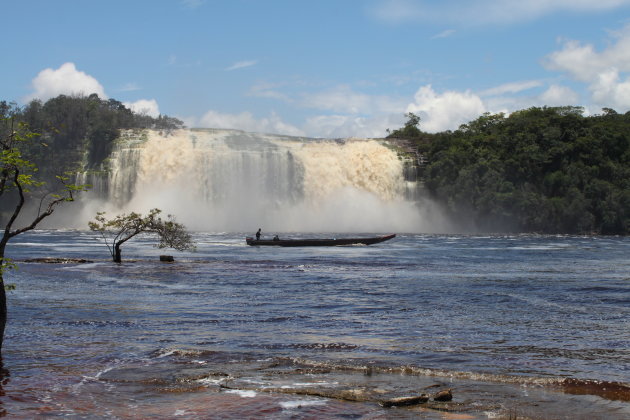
[[233, 181]]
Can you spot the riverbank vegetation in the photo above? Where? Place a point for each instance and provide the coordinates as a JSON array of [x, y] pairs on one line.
[[546, 170]]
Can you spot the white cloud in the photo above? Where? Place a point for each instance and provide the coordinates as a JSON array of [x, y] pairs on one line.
[[340, 126], [609, 91], [557, 95], [242, 65], [144, 106], [66, 80], [246, 121], [584, 63], [445, 111], [603, 71], [580, 61], [342, 99], [339, 99], [483, 11]]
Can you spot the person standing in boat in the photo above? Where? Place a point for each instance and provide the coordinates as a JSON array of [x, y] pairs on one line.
[[258, 235]]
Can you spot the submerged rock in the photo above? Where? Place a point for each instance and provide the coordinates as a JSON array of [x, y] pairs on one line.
[[445, 395], [51, 260], [402, 401]]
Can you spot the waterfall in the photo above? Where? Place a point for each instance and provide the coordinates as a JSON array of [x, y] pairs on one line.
[[229, 180]]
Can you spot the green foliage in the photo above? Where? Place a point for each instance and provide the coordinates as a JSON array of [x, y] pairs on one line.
[[79, 131], [544, 169], [18, 181], [410, 130], [63, 136], [5, 265], [123, 227]]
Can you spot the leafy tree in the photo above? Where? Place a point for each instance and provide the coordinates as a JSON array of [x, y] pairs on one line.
[[17, 186], [80, 130], [410, 130], [548, 169], [123, 227]]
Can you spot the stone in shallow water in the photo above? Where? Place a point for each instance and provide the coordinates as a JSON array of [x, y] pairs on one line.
[[402, 401], [53, 260], [445, 395]]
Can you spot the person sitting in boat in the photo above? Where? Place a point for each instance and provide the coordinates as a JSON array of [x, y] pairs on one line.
[[275, 238], [258, 235]]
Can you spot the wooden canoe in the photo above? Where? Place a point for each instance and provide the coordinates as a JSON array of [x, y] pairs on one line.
[[319, 242]]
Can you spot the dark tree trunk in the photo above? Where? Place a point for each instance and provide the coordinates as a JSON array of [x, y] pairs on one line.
[[3, 313], [117, 255], [3, 294]]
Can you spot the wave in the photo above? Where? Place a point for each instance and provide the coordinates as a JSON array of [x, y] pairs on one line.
[[609, 390], [249, 364]]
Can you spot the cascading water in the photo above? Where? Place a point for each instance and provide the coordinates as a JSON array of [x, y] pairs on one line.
[[228, 180]]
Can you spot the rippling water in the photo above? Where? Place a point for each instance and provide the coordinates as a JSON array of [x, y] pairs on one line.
[[528, 326]]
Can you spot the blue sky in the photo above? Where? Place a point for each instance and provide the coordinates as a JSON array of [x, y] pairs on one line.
[[324, 68]]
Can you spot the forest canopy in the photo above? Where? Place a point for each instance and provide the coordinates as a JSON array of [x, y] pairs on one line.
[[547, 170], [78, 131]]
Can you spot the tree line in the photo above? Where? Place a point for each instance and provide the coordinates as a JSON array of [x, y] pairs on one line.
[[543, 169], [77, 131]]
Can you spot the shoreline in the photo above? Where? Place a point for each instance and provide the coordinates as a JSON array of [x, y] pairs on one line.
[[215, 385]]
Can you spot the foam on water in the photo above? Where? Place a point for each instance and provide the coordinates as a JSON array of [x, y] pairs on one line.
[[290, 405], [241, 393]]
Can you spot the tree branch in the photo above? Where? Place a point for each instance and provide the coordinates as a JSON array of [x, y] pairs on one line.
[[40, 216]]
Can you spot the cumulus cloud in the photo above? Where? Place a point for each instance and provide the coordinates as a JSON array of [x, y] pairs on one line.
[[445, 111], [603, 71], [580, 61], [557, 95], [144, 106], [482, 11], [608, 90], [66, 80], [247, 122]]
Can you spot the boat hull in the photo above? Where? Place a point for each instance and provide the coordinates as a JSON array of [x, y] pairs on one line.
[[319, 242]]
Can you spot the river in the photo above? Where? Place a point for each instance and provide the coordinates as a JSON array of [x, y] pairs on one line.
[[516, 326]]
